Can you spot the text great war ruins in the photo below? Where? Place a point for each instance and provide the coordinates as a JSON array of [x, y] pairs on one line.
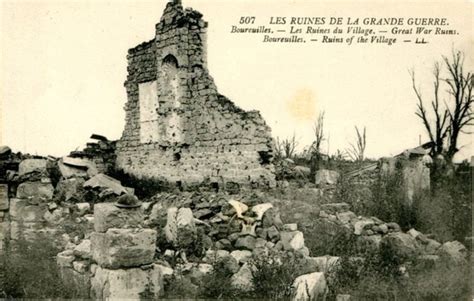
[[178, 127]]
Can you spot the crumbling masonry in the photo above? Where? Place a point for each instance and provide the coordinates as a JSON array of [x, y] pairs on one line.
[[178, 127]]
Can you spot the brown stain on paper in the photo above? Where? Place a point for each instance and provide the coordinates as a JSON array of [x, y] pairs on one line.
[[302, 106]]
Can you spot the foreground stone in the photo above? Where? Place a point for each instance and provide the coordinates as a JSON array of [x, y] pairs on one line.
[[32, 165], [35, 192], [107, 215], [453, 252], [399, 246], [310, 287], [68, 171], [292, 241], [326, 177], [243, 279], [102, 181], [123, 247], [136, 283], [83, 249], [70, 190]]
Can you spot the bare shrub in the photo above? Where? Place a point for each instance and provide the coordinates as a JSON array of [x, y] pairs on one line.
[[357, 151]]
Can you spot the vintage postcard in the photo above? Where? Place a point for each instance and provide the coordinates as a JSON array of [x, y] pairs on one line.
[[290, 149]]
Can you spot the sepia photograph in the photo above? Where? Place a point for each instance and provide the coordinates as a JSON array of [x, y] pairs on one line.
[[270, 150]]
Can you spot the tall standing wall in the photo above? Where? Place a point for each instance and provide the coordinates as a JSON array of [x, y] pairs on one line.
[[178, 127]]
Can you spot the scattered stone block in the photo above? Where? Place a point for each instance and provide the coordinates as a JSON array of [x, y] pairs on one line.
[[123, 247], [361, 225], [35, 192], [274, 235], [399, 246], [310, 287], [65, 258], [107, 215], [290, 227], [103, 182], [81, 266], [134, 283], [68, 171], [453, 252], [242, 256], [247, 242], [326, 177], [4, 230], [431, 246], [292, 240], [243, 279], [83, 208], [32, 165], [69, 190], [83, 250], [4, 201], [346, 217]]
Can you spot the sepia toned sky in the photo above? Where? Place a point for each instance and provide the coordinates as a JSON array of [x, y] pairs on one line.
[[63, 64]]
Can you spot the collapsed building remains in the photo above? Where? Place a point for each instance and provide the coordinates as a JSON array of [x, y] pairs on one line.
[[178, 127]]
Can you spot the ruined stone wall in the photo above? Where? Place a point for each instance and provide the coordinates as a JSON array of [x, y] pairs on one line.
[[178, 127]]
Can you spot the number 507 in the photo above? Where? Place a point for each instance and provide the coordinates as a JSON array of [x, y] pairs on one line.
[[247, 20]]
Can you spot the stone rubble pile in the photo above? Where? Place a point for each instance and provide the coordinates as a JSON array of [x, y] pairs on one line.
[[39, 193], [202, 230], [374, 235]]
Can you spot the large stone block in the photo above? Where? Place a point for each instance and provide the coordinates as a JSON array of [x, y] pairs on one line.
[[123, 247], [70, 189], [293, 241], [4, 202], [326, 177], [243, 279], [135, 283], [399, 246], [4, 230], [35, 192], [23, 212], [453, 252], [32, 165], [27, 230], [102, 181], [16, 206], [107, 215], [310, 287]]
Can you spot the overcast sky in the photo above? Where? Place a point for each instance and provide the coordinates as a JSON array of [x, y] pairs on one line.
[[63, 64]]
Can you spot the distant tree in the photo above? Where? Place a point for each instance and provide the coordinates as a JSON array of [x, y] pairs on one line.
[[318, 130], [356, 151], [315, 148], [446, 122]]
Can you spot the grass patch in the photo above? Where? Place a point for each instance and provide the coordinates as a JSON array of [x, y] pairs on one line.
[[28, 270]]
